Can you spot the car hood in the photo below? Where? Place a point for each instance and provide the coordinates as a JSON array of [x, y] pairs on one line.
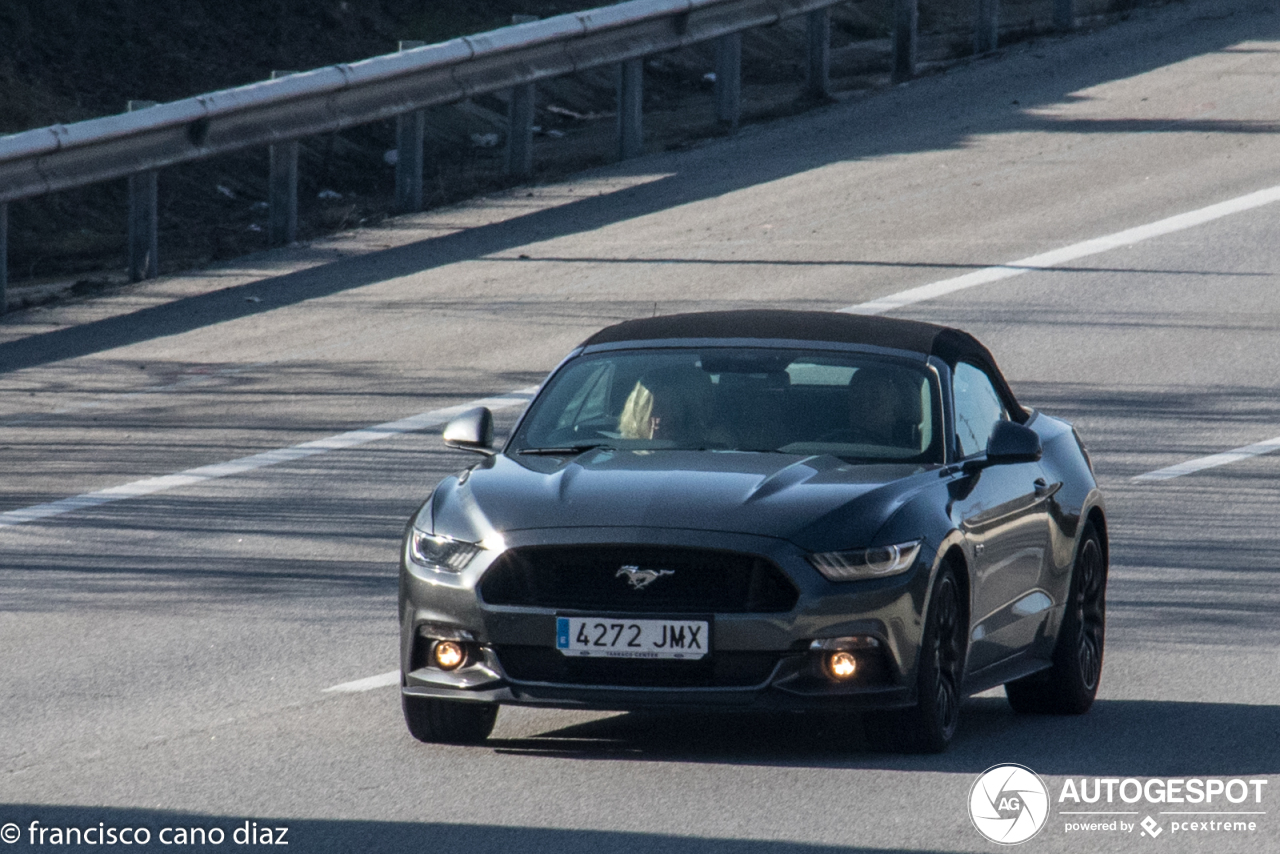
[[813, 501]]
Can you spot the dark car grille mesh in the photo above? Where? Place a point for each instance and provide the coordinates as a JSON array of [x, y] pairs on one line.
[[718, 670], [587, 578]]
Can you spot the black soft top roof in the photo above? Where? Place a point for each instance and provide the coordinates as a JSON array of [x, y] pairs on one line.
[[930, 339]]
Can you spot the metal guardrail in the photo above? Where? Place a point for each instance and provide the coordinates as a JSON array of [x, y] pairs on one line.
[[331, 99], [279, 111]]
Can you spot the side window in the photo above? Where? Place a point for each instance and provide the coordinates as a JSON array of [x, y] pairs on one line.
[[978, 408]]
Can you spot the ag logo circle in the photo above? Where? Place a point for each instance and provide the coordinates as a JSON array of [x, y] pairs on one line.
[[1009, 804]]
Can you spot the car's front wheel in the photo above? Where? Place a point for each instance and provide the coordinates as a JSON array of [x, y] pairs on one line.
[[448, 721], [1070, 685], [929, 726]]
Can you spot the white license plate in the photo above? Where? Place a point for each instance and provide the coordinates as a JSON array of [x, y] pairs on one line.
[[606, 637]]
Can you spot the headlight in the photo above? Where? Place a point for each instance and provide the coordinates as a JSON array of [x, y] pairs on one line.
[[866, 563], [440, 552]]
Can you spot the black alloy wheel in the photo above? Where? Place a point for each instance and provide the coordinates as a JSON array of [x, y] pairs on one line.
[[1071, 684], [448, 721], [929, 726]]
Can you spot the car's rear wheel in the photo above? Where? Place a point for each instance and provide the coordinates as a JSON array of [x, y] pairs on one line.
[[929, 726], [1070, 685], [448, 721]]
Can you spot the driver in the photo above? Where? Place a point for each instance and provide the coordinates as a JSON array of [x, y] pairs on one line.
[[667, 404]]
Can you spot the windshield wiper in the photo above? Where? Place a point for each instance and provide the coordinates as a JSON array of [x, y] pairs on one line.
[[566, 451]]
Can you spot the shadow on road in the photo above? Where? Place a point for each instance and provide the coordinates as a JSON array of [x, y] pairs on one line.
[[1118, 738]]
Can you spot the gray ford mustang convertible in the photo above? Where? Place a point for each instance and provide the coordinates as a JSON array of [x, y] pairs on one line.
[[760, 510]]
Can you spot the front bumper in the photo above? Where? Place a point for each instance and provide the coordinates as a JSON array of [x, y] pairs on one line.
[[795, 682], [757, 660]]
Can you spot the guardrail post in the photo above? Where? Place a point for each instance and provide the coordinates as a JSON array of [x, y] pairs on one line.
[[144, 223], [520, 131], [410, 129], [906, 25], [520, 114], [1064, 15], [818, 42], [986, 30], [4, 256], [630, 108], [282, 188], [729, 79]]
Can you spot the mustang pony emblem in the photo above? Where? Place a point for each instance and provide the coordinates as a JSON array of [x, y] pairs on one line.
[[642, 578]]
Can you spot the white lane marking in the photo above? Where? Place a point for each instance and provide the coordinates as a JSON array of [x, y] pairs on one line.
[[881, 305], [1211, 461], [151, 485], [1057, 257], [369, 683]]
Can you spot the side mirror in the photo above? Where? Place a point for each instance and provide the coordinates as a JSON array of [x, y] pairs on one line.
[[1013, 443], [471, 431]]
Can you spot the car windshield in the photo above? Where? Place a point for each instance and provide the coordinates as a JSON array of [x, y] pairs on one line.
[[851, 405]]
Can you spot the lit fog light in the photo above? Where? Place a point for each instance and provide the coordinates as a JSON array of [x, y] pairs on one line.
[[842, 665], [449, 655]]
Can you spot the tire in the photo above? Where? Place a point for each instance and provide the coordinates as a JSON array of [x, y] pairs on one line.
[[448, 721], [929, 726], [1070, 685]]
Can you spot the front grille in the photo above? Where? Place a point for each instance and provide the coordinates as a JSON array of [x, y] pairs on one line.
[[587, 578], [718, 670]]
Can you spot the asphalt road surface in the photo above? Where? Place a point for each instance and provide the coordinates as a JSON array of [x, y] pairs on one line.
[[166, 647]]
